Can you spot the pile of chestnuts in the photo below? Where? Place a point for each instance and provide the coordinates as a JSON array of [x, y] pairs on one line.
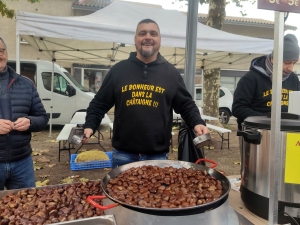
[[168, 187], [46, 205]]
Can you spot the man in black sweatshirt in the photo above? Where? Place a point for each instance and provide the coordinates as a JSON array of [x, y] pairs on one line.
[[144, 89], [253, 94]]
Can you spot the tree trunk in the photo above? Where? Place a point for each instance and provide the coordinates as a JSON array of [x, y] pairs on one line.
[[211, 90], [211, 83]]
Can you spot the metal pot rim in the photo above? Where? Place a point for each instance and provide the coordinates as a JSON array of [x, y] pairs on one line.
[[176, 164]]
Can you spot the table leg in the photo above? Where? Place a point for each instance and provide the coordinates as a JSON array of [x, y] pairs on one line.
[[102, 146], [228, 140], [78, 148], [64, 147]]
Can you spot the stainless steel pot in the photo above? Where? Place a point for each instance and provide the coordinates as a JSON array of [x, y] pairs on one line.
[[219, 216], [164, 215], [254, 189]]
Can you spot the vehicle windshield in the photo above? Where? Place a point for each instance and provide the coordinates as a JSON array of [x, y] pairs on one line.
[[75, 81]]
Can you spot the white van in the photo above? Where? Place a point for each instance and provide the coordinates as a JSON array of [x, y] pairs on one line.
[[225, 102], [69, 96]]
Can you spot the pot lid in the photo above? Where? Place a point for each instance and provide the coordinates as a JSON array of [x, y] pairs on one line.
[[289, 122]]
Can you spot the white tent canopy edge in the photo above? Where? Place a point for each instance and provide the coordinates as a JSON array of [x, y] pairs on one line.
[[96, 38]]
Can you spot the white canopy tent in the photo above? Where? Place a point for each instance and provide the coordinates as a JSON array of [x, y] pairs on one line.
[[107, 36]]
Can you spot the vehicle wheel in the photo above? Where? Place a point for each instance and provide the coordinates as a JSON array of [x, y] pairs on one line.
[[224, 116]]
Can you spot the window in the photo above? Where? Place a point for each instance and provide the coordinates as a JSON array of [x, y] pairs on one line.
[[60, 83], [78, 85], [92, 78], [27, 69], [221, 93], [77, 74], [227, 80], [230, 87], [198, 93], [230, 78]]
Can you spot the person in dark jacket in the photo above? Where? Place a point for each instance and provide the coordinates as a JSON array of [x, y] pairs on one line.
[[253, 94], [21, 112], [144, 89]]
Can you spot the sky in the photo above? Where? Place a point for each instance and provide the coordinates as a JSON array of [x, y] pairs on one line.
[[232, 10]]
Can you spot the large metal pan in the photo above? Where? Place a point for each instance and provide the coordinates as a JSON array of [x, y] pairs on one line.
[[165, 211]]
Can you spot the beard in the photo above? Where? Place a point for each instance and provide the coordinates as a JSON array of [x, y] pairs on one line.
[[147, 53]]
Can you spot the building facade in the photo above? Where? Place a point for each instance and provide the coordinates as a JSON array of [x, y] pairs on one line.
[[8, 26]]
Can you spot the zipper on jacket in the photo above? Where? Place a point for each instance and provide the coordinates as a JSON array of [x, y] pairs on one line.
[[10, 83], [8, 136]]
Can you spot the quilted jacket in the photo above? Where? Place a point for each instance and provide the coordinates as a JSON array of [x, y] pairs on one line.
[[25, 102]]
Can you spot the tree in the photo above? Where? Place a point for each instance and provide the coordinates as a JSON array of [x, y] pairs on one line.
[[10, 13], [211, 78]]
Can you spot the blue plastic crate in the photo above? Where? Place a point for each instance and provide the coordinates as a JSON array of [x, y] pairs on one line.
[[90, 165]]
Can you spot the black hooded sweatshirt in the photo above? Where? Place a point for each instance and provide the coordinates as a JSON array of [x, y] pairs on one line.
[[253, 94], [144, 96]]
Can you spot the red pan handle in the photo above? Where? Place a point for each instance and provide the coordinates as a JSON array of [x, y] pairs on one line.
[[207, 160], [90, 199]]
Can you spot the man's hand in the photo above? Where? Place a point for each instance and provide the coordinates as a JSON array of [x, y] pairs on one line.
[[200, 129], [6, 126], [86, 135], [22, 124]]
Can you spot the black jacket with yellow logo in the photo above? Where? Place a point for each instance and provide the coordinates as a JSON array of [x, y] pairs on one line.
[[144, 96], [253, 94]]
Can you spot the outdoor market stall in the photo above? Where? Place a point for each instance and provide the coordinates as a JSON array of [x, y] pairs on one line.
[[213, 45]]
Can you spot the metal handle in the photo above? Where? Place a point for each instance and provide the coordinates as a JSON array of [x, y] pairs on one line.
[[250, 136], [91, 201], [207, 160]]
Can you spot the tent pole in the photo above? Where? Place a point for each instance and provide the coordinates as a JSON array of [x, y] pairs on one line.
[[18, 68], [202, 82], [51, 106], [175, 61], [82, 77], [190, 46], [112, 54], [275, 143]]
